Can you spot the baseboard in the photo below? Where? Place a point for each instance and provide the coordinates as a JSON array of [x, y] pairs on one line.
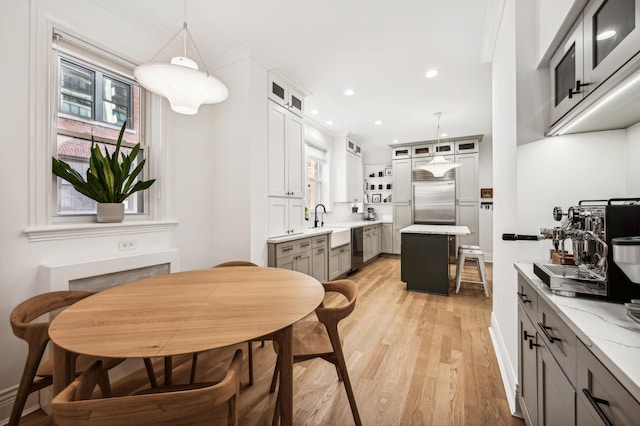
[[509, 377], [8, 396]]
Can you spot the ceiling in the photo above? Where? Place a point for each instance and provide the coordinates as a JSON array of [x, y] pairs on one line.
[[379, 48]]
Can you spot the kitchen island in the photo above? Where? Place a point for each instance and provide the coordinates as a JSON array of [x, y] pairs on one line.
[[424, 262]]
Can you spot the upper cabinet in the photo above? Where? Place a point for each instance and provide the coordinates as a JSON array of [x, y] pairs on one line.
[[347, 169], [597, 57], [286, 94], [286, 153]]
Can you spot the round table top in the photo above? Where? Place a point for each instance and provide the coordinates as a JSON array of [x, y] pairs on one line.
[[186, 312]]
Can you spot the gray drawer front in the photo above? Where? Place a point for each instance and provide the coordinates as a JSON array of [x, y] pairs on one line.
[[528, 298], [293, 247], [320, 241], [622, 408], [559, 338]]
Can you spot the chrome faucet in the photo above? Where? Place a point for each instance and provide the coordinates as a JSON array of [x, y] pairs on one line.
[[315, 214]]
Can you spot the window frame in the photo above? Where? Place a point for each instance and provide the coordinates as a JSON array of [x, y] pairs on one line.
[[42, 130], [311, 153], [78, 55]]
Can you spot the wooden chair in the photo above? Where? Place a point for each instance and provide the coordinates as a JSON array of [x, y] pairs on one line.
[[319, 338], [37, 374], [199, 403], [262, 339]]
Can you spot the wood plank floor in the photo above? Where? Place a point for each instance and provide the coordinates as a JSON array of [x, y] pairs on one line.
[[413, 358]]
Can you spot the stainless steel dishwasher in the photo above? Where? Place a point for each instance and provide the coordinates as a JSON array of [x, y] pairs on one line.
[[357, 248]]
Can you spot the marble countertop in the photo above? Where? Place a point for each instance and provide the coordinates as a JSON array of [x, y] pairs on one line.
[[436, 229], [603, 327], [326, 229]]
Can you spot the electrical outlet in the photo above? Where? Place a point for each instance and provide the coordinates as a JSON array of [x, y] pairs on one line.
[[127, 245]]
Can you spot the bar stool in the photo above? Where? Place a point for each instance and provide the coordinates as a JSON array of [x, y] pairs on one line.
[[470, 252]]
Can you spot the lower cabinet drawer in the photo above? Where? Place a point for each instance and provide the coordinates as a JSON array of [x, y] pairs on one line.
[[320, 241], [604, 397], [528, 297], [559, 339]]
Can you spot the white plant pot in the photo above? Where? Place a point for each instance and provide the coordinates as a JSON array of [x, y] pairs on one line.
[[110, 212]]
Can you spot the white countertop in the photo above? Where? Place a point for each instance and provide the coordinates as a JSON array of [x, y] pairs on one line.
[[436, 229], [326, 229], [603, 327]]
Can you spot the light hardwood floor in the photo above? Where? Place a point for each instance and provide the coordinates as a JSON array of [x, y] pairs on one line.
[[413, 358]]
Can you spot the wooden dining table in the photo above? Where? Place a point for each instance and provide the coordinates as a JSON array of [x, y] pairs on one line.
[[187, 312]]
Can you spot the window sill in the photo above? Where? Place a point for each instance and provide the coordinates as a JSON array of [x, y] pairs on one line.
[[69, 231]]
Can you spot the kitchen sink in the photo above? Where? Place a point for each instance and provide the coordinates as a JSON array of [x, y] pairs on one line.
[[340, 237]]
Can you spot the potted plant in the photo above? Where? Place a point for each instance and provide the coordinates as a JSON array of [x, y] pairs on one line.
[[109, 181]]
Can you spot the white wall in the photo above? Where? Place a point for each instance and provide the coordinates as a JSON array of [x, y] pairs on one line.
[[504, 126], [561, 171], [632, 163], [549, 17], [215, 196]]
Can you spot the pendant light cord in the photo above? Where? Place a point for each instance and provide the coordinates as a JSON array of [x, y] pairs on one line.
[[187, 34]]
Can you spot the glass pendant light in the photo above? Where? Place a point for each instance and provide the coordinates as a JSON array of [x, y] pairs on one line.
[[181, 82], [439, 165]]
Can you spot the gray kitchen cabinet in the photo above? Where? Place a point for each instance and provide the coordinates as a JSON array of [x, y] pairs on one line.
[[467, 177], [401, 219], [386, 238], [320, 258], [561, 382], [545, 393], [339, 261], [556, 396], [367, 242], [294, 255], [401, 184], [604, 398], [527, 368], [375, 239], [467, 214]]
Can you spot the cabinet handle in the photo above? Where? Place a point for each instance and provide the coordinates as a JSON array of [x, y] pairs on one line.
[[531, 344], [544, 329], [320, 250], [304, 245], [595, 403], [320, 241], [579, 85], [526, 335], [287, 249], [523, 297]]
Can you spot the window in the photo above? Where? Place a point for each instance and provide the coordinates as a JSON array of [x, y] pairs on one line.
[[95, 96], [315, 175]]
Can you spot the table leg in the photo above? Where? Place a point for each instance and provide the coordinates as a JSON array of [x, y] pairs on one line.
[[63, 369], [285, 391], [168, 370]]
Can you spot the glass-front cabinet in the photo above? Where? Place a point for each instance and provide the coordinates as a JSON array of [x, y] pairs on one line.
[[604, 38], [611, 38], [566, 67]]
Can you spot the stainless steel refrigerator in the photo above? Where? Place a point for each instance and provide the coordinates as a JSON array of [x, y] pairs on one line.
[[434, 201]]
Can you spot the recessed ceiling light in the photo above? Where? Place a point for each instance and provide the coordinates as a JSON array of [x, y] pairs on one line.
[[315, 112], [395, 141], [378, 122], [443, 135], [349, 92], [329, 123], [605, 35], [431, 73]]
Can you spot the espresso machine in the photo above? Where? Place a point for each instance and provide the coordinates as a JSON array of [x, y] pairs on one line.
[[593, 226]]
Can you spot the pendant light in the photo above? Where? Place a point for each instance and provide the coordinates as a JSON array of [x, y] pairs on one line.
[[181, 82], [439, 165]]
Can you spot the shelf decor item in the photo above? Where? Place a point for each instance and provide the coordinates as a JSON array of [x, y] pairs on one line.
[[109, 181], [376, 198], [486, 192], [388, 171]]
